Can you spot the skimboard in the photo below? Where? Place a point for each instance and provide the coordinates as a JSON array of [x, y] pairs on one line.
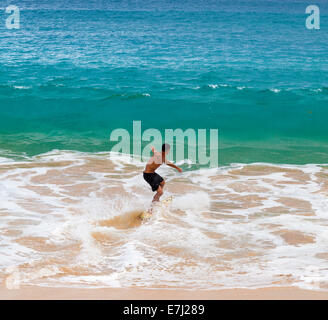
[[146, 215]]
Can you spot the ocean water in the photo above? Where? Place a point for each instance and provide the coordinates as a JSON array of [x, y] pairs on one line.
[[77, 70]]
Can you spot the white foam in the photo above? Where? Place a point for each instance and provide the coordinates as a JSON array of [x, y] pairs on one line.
[[192, 201], [95, 281], [22, 87], [178, 247]]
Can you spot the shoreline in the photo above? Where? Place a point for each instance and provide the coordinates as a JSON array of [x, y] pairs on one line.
[[62, 293]]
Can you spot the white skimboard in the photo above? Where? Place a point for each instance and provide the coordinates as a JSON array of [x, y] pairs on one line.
[[146, 215]]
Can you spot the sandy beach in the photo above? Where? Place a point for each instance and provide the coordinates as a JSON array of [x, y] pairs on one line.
[[47, 293], [74, 223]]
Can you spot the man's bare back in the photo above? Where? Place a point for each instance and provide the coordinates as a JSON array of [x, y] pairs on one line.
[[155, 180]]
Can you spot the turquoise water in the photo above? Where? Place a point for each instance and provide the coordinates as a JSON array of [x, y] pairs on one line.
[[75, 71]]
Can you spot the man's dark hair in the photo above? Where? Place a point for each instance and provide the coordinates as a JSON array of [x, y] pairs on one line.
[[165, 147]]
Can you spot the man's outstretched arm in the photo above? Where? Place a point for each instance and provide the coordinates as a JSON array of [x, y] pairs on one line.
[[173, 166]]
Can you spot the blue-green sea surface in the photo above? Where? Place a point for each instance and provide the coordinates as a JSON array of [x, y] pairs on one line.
[[77, 70]]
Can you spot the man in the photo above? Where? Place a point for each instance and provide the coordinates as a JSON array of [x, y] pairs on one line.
[[155, 180]]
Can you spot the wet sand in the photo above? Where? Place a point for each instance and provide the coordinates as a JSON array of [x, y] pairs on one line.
[[72, 219], [46, 293]]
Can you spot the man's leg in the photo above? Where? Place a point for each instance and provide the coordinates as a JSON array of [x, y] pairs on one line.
[[158, 194]]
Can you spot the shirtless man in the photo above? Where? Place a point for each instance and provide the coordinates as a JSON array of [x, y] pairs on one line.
[[155, 180]]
